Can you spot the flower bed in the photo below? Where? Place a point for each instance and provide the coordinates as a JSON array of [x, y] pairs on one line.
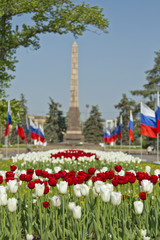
[[110, 201]]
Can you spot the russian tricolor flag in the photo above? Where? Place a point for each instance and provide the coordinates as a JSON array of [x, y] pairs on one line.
[[32, 130], [112, 136], [108, 136], [131, 127], [115, 130], [148, 122], [120, 128], [9, 120], [158, 114], [105, 136], [20, 129], [41, 134], [27, 129], [37, 132]]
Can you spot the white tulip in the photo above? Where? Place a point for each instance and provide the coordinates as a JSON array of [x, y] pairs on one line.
[[12, 204], [147, 169], [116, 198], [3, 199], [84, 189], [109, 186], [143, 232], [57, 169], [94, 192], [56, 201], [29, 237], [90, 183], [77, 190], [105, 194], [12, 186], [62, 187], [39, 188], [147, 186], [146, 238], [97, 185], [3, 190], [71, 205], [77, 212], [138, 207]]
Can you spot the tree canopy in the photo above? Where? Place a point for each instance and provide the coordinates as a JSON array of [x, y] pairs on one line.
[[44, 16], [93, 127]]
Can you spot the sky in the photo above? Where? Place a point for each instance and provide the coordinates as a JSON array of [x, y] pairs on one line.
[[109, 64]]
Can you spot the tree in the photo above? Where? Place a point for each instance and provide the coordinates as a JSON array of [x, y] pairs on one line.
[[55, 124], [46, 16], [125, 105], [93, 127], [153, 84]]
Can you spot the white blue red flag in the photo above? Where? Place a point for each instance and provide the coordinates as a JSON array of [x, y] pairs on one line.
[[131, 127], [115, 130], [105, 136], [37, 132], [148, 122], [108, 136], [120, 128], [27, 129], [9, 120], [41, 134], [20, 129], [32, 130]]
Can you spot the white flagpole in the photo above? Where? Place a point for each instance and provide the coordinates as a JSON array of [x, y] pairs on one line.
[[18, 145], [157, 133], [6, 146], [141, 147], [129, 145]]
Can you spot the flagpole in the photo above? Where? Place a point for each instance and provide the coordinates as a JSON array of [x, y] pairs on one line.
[[129, 145], [141, 147], [18, 145], [157, 147], [6, 145]]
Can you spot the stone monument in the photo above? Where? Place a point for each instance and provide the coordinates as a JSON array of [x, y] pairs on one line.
[[74, 132]]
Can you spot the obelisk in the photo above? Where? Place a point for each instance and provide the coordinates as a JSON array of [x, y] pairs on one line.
[[74, 133]]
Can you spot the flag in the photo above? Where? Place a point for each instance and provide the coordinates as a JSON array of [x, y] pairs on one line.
[[105, 136], [112, 136], [115, 130], [20, 129], [131, 127], [27, 129], [37, 132], [9, 120], [120, 128], [32, 129], [108, 136], [148, 121], [158, 114], [41, 134]]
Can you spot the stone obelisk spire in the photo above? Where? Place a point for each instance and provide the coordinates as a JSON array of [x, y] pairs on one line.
[[74, 133]]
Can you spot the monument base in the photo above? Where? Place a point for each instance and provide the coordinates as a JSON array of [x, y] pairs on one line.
[[73, 138]]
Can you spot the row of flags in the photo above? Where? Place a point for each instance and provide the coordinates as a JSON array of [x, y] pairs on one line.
[[36, 130], [150, 124], [111, 136]]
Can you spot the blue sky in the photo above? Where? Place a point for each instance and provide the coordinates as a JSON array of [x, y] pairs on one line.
[[109, 64]]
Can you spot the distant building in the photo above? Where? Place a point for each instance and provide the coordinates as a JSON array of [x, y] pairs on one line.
[[109, 124], [38, 119]]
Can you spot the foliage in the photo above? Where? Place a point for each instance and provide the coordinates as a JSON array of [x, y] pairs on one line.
[[45, 16], [153, 84], [55, 124], [93, 127]]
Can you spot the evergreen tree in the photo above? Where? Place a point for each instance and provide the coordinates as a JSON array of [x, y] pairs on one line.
[[55, 124], [93, 127], [125, 105], [45, 16], [149, 93]]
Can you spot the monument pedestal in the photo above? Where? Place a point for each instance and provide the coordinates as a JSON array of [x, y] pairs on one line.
[[74, 133]]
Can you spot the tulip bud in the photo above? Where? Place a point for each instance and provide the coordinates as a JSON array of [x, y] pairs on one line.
[[105, 193], [77, 212], [116, 198], [3, 199], [62, 187], [12, 186], [84, 190], [71, 205], [12, 204], [147, 186], [39, 188], [29, 237], [138, 207], [77, 190], [56, 201]]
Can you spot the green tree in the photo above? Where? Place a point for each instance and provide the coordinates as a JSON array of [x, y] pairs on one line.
[[93, 127], [125, 105], [149, 93], [45, 16], [55, 124]]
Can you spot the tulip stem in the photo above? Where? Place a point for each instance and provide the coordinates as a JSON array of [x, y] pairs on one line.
[[40, 219], [63, 220], [117, 221]]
